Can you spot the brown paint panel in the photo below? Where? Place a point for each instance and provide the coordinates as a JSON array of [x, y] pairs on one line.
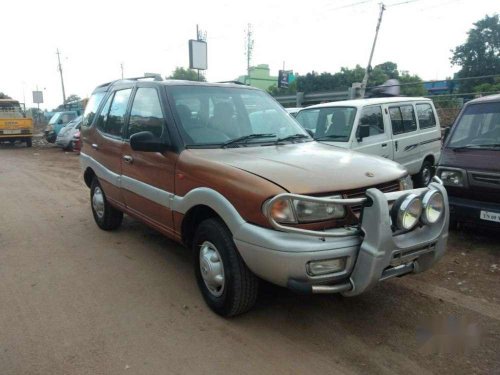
[[155, 169]]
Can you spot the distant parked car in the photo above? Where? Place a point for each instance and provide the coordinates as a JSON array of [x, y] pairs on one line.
[[65, 137], [402, 129], [470, 163], [77, 142], [56, 123]]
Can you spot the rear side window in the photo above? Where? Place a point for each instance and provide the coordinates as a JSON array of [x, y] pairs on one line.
[[402, 119], [425, 116], [112, 116], [146, 113], [91, 108], [372, 118]]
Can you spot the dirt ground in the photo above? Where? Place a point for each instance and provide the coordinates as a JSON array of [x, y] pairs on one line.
[[78, 300]]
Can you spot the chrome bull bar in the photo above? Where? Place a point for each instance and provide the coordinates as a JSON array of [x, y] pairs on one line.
[[336, 232]]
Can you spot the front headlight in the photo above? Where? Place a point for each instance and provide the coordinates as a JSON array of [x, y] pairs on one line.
[[301, 211], [406, 183], [452, 178]]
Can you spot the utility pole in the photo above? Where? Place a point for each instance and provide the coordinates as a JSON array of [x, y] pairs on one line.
[[61, 73], [249, 50], [369, 67], [121, 67]]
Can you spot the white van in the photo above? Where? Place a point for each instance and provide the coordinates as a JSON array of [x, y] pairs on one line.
[[402, 129]]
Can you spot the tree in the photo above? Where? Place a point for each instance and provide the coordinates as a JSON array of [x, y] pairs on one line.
[[4, 96], [480, 54], [73, 98], [186, 74]]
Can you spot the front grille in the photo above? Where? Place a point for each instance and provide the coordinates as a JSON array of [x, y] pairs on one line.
[[360, 193], [486, 178]]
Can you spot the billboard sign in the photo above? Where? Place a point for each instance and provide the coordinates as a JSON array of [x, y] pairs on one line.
[[285, 78], [37, 97], [198, 54]]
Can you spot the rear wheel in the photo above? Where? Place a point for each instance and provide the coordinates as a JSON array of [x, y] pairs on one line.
[[424, 177], [29, 142], [227, 285], [106, 216]]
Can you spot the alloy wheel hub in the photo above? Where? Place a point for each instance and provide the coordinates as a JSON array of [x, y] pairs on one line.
[[98, 202]]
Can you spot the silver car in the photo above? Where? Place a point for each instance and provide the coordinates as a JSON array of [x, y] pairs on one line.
[[65, 137]]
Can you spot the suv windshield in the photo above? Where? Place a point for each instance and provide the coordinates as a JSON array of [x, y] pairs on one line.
[[477, 127], [64, 116], [328, 123], [219, 116]]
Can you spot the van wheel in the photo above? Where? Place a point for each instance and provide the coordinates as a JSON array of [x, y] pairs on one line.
[[424, 177], [227, 285], [106, 216]]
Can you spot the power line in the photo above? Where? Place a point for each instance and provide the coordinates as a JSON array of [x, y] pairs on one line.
[[401, 3], [352, 4]]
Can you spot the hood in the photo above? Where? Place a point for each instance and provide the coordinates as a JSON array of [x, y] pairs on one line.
[[308, 168], [476, 159]]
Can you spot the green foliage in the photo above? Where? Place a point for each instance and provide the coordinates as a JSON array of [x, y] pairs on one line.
[[314, 82], [186, 74], [73, 98], [480, 54], [4, 96]]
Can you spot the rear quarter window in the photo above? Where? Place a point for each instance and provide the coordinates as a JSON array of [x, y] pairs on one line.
[[425, 115], [91, 108]]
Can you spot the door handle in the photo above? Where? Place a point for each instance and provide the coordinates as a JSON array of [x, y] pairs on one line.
[[128, 159], [384, 144], [95, 146], [396, 145]]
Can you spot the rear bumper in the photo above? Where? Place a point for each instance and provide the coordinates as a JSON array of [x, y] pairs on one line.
[[468, 210], [371, 257]]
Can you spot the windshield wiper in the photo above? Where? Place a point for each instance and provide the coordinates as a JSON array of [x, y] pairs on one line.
[[247, 138], [291, 138], [328, 137], [472, 146]]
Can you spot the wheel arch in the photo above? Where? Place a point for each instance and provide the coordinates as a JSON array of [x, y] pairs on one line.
[[88, 176], [202, 203]]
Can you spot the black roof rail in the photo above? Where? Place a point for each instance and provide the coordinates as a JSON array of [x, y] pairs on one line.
[[234, 82], [155, 77]]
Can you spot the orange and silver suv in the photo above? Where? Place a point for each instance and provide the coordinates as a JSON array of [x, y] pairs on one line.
[[223, 169]]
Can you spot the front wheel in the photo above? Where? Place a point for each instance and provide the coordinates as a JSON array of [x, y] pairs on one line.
[[227, 285], [424, 177], [106, 216]]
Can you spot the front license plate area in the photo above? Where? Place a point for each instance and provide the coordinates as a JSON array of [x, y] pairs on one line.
[[490, 216], [9, 132]]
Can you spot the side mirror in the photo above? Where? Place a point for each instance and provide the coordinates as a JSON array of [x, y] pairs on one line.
[[59, 122], [147, 142], [362, 132]]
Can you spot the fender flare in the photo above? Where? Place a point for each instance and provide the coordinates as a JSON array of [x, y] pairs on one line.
[[213, 199]]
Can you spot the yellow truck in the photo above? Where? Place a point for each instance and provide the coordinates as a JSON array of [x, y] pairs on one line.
[[14, 125]]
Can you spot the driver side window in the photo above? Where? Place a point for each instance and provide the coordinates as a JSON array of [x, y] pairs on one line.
[[371, 118]]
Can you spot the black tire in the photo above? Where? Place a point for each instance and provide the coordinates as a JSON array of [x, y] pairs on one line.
[[424, 177], [240, 287], [109, 218], [29, 142]]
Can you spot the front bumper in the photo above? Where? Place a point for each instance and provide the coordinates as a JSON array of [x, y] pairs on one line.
[[469, 211], [373, 255]]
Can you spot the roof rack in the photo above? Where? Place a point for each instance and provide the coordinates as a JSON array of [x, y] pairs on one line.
[[234, 82], [154, 76]]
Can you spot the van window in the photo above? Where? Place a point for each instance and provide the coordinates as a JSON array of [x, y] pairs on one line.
[[103, 116], [146, 113], [116, 116], [402, 119], [372, 118], [425, 116], [91, 108], [332, 123]]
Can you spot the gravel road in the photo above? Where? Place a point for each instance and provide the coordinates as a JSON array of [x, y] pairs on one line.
[[77, 300]]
